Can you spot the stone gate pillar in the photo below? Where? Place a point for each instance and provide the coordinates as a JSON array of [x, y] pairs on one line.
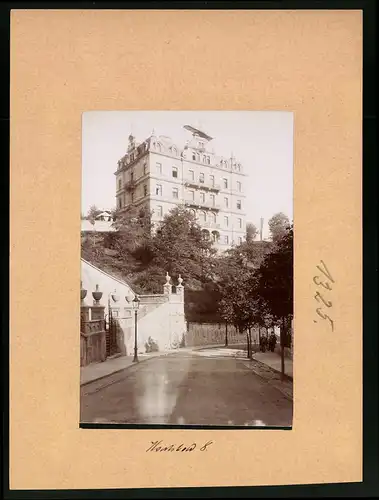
[[167, 287]]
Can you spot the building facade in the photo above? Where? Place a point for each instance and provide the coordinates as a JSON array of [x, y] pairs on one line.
[[158, 175]]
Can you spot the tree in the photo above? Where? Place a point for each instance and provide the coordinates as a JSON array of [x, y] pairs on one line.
[[179, 247], [238, 287], [278, 225], [251, 232], [275, 278], [93, 212], [251, 253]]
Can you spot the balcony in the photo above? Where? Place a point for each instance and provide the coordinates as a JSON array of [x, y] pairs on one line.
[[209, 186], [130, 185], [210, 225], [202, 204]]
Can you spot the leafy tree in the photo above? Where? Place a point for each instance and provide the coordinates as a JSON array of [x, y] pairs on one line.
[[278, 224], [133, 233], [239, 303], [93, 212], [251, 253], [179, 247], [275, 277], [251, 232]]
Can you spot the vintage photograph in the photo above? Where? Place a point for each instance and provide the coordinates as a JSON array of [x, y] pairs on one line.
[[187, 268]]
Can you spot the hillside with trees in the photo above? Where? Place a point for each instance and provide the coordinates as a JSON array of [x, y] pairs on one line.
[[249, 285]]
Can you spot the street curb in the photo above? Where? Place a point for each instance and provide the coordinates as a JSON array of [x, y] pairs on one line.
[[102, 377], [269, 382], [288, 377]]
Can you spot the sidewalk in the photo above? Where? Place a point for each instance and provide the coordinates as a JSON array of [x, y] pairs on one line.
[[273, 360], [96, 371]]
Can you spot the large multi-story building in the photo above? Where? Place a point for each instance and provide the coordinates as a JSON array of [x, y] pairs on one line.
[[158, 175]]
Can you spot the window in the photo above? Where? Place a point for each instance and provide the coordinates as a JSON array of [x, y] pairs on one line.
[[226, 240], [159, 210], [204, 159], [197, 157], [174, 172], [226, 221], [240, 223], [159, 146], [201, 144], [158, 190], [132, 196], [119, 184], [145, 189], [175, 193], [239, 240], [131, 176], [226, 202], [201, 178], [239, 186], [159, 168], [193, 156], [212, 180], [193, 212], [191, 195], [239, 204], [202, 197], [145, 168], [212, 218], [202, 216], [212, 199], [225, 183], [215, 236], [208, 160], [191, 175], [119, 203]]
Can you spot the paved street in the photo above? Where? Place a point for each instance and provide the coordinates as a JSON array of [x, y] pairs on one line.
[[186, 388]]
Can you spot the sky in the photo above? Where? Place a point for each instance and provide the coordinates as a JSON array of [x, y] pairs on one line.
[[261, 140]]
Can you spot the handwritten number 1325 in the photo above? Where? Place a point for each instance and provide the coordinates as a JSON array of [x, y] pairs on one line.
[[326, 284]]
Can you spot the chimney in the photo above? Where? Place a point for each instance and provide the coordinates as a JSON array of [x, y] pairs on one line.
[[261, 229]]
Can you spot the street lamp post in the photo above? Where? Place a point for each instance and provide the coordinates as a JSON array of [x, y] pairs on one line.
[[136, 302]]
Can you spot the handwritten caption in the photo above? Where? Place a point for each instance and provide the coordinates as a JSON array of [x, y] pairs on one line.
[[324, 281], [157, 446]]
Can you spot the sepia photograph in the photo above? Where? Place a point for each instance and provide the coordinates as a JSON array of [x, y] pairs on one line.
[[186, 297]]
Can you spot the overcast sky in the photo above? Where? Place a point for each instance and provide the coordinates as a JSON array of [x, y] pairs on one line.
[[261, 141]]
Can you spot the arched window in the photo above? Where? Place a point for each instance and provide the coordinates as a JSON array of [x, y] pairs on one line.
[[208, 160], [212, 217], [193, 156], [193, 212], [215, 236], [204, 159], [202, 216], [205, 234]]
